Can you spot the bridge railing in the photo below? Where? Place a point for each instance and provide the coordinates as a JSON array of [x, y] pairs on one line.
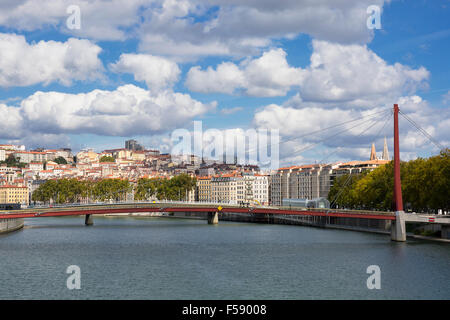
[[169, 203]]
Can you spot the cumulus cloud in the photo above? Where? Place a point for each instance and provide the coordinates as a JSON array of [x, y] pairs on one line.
[[269, 75], [126, 111], [158, 73], [342, 73], [23, 64], [303, 129], [337, 74], [189, 29], [11, 122], [39, 140], [241, 28], [100, 19]]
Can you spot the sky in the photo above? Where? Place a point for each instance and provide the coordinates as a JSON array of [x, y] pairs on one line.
[[93, 73]]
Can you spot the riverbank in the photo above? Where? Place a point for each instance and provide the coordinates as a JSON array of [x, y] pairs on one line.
[[10, 225]]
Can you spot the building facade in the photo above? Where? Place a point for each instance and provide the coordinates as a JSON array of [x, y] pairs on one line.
[[14, 194], [313, 181]]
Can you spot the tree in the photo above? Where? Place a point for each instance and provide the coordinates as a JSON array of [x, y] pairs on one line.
[[145, 189], [164, 189], [425, 186], [60, 160], [12, 161], [107, 159], [111, 189]]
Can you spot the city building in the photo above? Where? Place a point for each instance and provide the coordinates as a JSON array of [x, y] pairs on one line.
[[133, 145], [223, 189], [261, 189], [315, 181], [203, 189], [87, 156], [30, 156], [14, 194]]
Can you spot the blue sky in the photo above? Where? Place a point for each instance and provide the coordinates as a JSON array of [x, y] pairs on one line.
[[177, 48]]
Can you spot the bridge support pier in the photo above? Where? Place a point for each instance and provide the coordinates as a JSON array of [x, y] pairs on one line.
[[398, 227], [445, 231], [88, 220], [213, 217]]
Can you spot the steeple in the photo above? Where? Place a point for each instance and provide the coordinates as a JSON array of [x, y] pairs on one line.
[[385, 155], [373, 154]]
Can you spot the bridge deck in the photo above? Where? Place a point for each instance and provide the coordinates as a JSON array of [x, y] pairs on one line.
[[183, 207], [74, 210]]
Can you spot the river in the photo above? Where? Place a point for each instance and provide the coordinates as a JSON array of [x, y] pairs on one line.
[[166, 258]]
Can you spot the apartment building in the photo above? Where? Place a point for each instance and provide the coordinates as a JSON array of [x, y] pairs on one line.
[[224, 189], [261, 189], [30, 156], [87, 156], [313, 181], [13, 194], [234, 188], [203, 189]]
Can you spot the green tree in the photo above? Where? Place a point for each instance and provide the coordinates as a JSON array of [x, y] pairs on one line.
[[111, 189], [107, 159], [60, 160], [164, 189], [12, 161], [425, 186]]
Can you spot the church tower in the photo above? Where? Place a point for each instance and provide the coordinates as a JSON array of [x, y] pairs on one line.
[[385, 151], [373, 154]]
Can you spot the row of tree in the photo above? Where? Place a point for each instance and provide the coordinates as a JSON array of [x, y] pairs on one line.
[[74, 190], [168, 189], [425, 186]]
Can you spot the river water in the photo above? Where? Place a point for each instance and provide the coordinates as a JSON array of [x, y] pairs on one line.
[[165, 258]]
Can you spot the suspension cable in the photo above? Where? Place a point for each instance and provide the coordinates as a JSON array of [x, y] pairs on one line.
[[368, 116], [421, 130], [338, 133]]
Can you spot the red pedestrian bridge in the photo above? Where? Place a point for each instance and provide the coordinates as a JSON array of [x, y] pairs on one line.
[[212, 212], [92, 209]]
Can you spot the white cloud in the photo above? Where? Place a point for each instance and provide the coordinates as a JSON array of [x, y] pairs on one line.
[[302, 127], [337, 74], [23, 64], [126, 111], [241, 28], [100, 19], [225, 79], [341, 73], [158, 73], [11, 125], [189, 29], [39, 140], [269, 75]]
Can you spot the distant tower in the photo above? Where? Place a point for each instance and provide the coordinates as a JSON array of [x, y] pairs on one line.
[[373, 154], [133, 145], [385, 151]]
